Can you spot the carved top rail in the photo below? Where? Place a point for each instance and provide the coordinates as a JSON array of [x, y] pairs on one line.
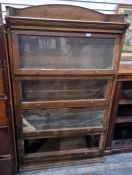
[[67, 16]]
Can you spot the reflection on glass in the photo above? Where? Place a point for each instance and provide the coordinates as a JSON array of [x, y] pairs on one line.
[[122, 134], [125, 110], [57, 52], [61, 144], [70, 89], [126, 92], [44, 119]]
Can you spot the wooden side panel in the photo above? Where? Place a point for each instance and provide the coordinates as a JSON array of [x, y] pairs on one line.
[[3, 119], [1, 83], [5, 167], [2, 107], [6, 128], [4, 141]]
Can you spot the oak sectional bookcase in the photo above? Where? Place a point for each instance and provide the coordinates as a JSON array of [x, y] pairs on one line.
[[121, 126], [64, 61]]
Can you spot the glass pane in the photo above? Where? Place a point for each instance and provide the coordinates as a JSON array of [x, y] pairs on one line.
[[55, 52], [127, 90], [60, 144], [125, 110], [71, 89], [122, 134], [43, 119]]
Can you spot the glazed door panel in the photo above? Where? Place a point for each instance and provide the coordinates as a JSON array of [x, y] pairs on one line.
[[50, 90], [63, 119], [62, 51], [65, 52], [31, 90]]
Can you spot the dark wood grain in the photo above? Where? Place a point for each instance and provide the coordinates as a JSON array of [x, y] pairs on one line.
[[3, 119], [5, 141], [124, 119], [2, 106], [6, 166], [125, 70], [1, 83], [7, 144]]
